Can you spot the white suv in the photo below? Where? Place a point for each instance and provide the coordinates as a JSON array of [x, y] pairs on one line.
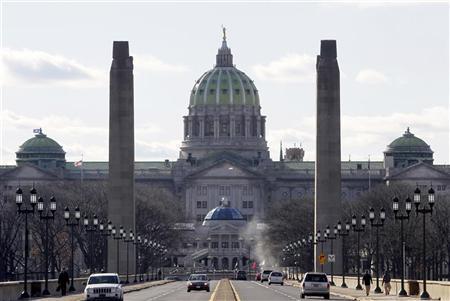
[[103, 286]]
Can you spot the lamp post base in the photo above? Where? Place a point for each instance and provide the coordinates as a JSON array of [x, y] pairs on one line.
[[332, 283], [424, 295], [24, 295], [402, 293], [377, 290], [344, 285], [45, 292], [71, 288], [358, 287]]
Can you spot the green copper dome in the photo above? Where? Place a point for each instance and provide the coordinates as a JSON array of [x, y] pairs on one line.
[[225, 84], [409, 142], [41, 151], [41, 143]]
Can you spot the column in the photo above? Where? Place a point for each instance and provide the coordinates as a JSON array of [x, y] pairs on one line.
[[247, 127], [232, 126], [216, 126], [258, 127], [202, 126], [190, 121]]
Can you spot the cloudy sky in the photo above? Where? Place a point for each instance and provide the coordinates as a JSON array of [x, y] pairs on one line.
[[394, 61]]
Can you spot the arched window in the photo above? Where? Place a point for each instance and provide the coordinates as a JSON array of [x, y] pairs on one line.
[[225, 263]]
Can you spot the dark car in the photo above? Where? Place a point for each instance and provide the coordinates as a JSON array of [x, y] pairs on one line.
[[241, 275], [174, 278], [198, 282]]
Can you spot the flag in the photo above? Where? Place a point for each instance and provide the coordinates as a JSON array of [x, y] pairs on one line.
[[254, 265], [78, 163]]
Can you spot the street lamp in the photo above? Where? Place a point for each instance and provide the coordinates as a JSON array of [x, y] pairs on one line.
[[343, 234], [250, 254], [402, 217], [136, 242], [321, 241], [105, 232], [128, 240], [90, 229], [72, 223], [118, 237], [46, 217], [331, 238], [358, 230], [26, 210], [424, 210], [377, 225]]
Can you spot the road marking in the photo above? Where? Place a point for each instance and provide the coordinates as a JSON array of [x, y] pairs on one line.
[[236, 295], [215, 291], [277, 291], [165, 293]]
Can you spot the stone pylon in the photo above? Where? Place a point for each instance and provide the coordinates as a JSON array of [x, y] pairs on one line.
[[121, 204], [327, 203]]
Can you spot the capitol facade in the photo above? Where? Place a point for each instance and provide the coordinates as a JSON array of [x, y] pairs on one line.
[[224, 175]]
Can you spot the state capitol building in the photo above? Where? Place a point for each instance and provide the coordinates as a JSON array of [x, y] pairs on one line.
[[224, 174]]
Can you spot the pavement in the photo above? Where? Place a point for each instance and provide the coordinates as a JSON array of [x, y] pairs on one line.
[[360, 295], [126, 288]]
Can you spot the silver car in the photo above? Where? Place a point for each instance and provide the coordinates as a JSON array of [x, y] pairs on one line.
[[315, 284]]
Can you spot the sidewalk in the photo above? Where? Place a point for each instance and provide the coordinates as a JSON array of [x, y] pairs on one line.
[[352, 294], [126, 289]]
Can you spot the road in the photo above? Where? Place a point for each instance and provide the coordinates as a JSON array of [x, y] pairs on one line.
[[247, 291], [175, 291]]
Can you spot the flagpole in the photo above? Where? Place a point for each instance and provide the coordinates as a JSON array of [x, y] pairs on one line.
[[81, 180], [369, 175]]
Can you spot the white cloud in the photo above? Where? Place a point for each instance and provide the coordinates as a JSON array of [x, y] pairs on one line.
[[292, 68], [371, 76], [150, 63], [364, 135], [34, 67]]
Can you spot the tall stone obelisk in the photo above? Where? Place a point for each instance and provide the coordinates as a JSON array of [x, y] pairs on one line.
[[328, 151], [121, 207]]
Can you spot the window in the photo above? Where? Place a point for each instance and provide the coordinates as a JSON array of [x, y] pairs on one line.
[[249, 217], [235, 245], [204, 190], [194, 244], [200, 217], [358, 166], [224, 244], [222, 190], [245, 190], [204, 204], [227, 190], [224, 91], [247, 91], [237, 91], [201, 91], [199, 190], [250, 204], [205, 245], [199, 204], [214, 245], [211, 91], [244, 204]]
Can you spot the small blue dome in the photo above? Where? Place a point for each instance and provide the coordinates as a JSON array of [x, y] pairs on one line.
[[224, 213]]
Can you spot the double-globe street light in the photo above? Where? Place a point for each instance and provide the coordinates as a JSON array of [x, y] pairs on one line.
[[137, 242], [45, 215], [358, 230], [401, 217], [90, 229], [331, 238], [128, 239], [72, 222], [343, 233], [26, 210], [424, 210], [321, 241], [118, 237], [377, 224], [105, 232]]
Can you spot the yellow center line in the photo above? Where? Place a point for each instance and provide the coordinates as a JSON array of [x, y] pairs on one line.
[[236, 295], [213, 295]]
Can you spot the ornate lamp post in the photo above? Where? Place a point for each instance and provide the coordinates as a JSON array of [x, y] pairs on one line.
[[250, 254], [128, 240], [90, 229], [343, 234], [26, 210], [118, 237], [331, 238], [136, 242], [377, 225], [105, 232], [72, 223], [321, 241], [402, 217], [358, 230], [424, 210], [46, 217]]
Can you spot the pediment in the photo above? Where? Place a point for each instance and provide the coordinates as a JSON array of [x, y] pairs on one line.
[[224, 169], [420, 171], [28, 172]]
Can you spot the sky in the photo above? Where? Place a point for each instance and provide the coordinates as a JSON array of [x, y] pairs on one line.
[[55, 60]]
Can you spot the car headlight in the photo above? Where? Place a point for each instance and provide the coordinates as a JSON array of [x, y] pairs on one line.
[[206, 283], [189, 283]]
